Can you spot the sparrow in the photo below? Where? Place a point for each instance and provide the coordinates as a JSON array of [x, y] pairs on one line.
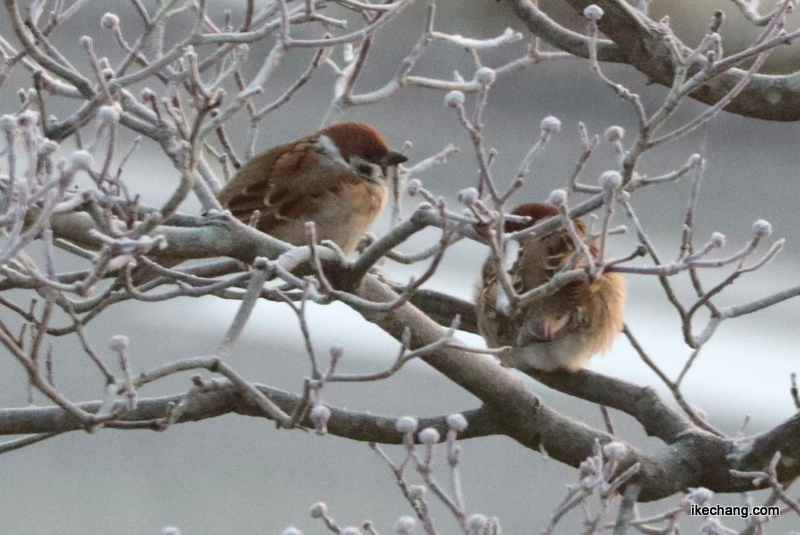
[[561, 330], [337, 178]]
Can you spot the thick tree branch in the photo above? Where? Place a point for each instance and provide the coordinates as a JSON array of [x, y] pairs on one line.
[[638, 42]]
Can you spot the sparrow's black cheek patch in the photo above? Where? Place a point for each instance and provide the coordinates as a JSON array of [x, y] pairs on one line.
[[364, 169]]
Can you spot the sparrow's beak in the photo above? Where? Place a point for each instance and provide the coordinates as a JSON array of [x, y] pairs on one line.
[[393, 158]]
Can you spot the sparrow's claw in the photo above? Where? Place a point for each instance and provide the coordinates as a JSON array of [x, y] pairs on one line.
[[366, 241]]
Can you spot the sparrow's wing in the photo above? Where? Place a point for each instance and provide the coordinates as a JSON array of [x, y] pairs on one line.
[[266, 183], [298, 182]]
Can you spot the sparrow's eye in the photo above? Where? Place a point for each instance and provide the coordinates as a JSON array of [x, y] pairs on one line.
[[364, 168], [368, 170]]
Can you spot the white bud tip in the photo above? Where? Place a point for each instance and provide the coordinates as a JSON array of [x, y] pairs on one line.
[[454, 99], [700, 495], [319, 415], [593, 12], [291, 530], [86, 41], [457, 422], [337, 350], [429, 436], [8, 123], [614, 133], [417, 491], [351, 530], [615, 450], [318, 510], [109, 113], [82, 159], [146, 94], [695, 159], [476, 523], [550, 125], [468, 196], [485, 76], [558, 197], [762, 228], [412, 188], [406, 424], [109, 21], [718, 239], [47, 147], [405, 525], [171, 530], [610, 180], [28, 117], [119, 343]]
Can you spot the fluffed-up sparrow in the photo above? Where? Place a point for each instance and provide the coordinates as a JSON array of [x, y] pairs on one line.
[[561, 330]]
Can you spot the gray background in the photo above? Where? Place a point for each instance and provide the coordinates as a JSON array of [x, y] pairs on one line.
[[240, 475]]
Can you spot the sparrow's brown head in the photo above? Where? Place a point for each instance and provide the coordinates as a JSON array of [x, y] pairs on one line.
[[361, 140], [535, 210]]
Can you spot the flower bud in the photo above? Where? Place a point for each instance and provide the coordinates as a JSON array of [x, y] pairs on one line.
[[109, 21], [700, 495], [28, 118], [762, 228], [457, 422], [593, 12], [47, 146], [416, 492], [8, 123], [405, 525], [82, 160], [615, 450], [476, 524], [610, 180], [550, 125], [429, 436], [558, 197], [109, 113], [119, 342], [485, 76], [468, 196], [454, 99], [318, 510], [406, 424], [319, 416], [614, 133]]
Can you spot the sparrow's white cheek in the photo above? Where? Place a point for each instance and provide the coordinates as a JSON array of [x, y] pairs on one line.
[[510, 255], [330, 149]]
